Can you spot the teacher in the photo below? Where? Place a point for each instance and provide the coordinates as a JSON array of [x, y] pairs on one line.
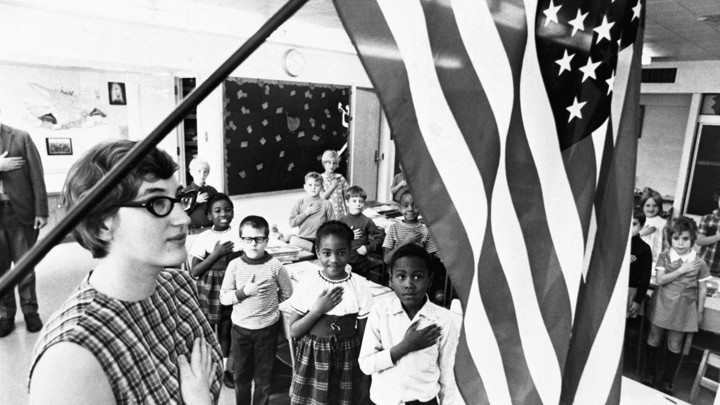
[[132, 331]]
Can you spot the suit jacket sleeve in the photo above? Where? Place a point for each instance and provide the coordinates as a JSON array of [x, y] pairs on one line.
[[37, 177]]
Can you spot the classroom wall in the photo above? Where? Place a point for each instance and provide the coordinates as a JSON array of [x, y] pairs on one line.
[[661, 142]]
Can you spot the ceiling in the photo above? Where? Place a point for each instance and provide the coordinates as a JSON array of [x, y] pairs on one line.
[[676, 30]]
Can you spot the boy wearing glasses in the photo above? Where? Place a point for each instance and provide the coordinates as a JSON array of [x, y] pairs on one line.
[[254, 284]]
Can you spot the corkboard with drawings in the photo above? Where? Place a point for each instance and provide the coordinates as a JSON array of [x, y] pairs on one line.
[[276, 132]]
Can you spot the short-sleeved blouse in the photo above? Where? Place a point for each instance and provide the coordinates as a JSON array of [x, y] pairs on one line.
[[205, 242], [356, 295]]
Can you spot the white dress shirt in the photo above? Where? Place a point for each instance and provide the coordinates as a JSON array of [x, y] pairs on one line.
[[420, 375]]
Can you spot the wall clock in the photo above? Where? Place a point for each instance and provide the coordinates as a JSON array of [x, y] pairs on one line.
[[293, 62]]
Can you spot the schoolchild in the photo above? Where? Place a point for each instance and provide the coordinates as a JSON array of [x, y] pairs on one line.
[[708, 238], [677, 306], [408, 230], [211, 253], [199, 170], [254, 284], [399, 185], [311, 211], [409, 343], [640, 265], [652, 232], [330, 307], [367, 235], [334, 184]]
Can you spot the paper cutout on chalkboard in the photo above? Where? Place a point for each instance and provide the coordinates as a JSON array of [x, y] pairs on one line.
[[312, 122], [345, 114], [301, 134], [292, 93], [241, 94], [243, 144], [245, 110], [267, 90], [265, 123], [262, 141], [282, 153], [279, 110], [307, 107], [293, 123], [243, 174], [290, 166], [249, 129], [323, 94], [232, 125], [259, 167], [315, 138]]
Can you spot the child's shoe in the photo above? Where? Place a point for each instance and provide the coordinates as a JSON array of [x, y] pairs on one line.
[[228, 380], [648, 379], [667, 388]]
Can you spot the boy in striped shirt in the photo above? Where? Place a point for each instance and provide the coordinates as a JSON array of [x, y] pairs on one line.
[[409, 230], [254, 284]]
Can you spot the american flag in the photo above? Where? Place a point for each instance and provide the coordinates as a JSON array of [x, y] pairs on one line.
[[516, 123]]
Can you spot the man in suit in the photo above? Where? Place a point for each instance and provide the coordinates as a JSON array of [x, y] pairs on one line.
[[23, 211]]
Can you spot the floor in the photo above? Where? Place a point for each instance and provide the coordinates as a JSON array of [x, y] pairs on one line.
[[68, 263]]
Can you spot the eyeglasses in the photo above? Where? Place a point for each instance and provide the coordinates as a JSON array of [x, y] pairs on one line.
[[257, 239], [162, 206]]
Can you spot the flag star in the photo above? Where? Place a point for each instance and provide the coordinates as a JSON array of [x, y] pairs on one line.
[[589, 69], [565, 62], [578, 23], [603, 30], [575, 108], [610, 82], [636, 10], [551, 13]]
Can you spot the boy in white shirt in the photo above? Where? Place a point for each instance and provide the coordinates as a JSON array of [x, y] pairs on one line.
[[409, 344]]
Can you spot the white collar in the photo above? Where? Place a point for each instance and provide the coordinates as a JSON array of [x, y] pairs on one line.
[[685, 258]]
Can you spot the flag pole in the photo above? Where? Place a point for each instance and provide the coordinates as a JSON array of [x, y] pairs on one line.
[[32, 257]]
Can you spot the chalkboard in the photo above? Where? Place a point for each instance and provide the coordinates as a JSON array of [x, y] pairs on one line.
[[706, 174], [276, 132]]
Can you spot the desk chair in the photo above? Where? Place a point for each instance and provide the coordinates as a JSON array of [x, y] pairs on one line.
[[708, 359], [287, 341]]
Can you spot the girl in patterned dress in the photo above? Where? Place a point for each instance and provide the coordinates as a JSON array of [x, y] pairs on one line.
[[212, 251], [330, 308], [334, 184], [677, 305]]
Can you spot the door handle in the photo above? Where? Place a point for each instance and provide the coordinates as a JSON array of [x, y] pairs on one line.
[[377, 156]]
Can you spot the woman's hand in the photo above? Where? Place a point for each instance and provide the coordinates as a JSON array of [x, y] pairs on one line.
[[328, 300], [196, 377]]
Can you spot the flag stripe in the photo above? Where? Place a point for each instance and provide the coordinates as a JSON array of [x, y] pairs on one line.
[[596, 381], [542, 136], [614, 207], [499, 85]]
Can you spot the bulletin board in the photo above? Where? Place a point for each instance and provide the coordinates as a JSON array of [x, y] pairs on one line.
[[276, 132]]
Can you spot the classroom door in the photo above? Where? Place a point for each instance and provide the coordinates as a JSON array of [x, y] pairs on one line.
[[365, 141]]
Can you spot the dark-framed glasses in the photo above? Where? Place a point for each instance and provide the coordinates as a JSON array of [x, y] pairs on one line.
[[162, 206], [257, 239]]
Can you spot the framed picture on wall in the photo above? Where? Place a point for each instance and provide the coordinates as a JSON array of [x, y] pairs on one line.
[[116, 91], [59, 146]]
